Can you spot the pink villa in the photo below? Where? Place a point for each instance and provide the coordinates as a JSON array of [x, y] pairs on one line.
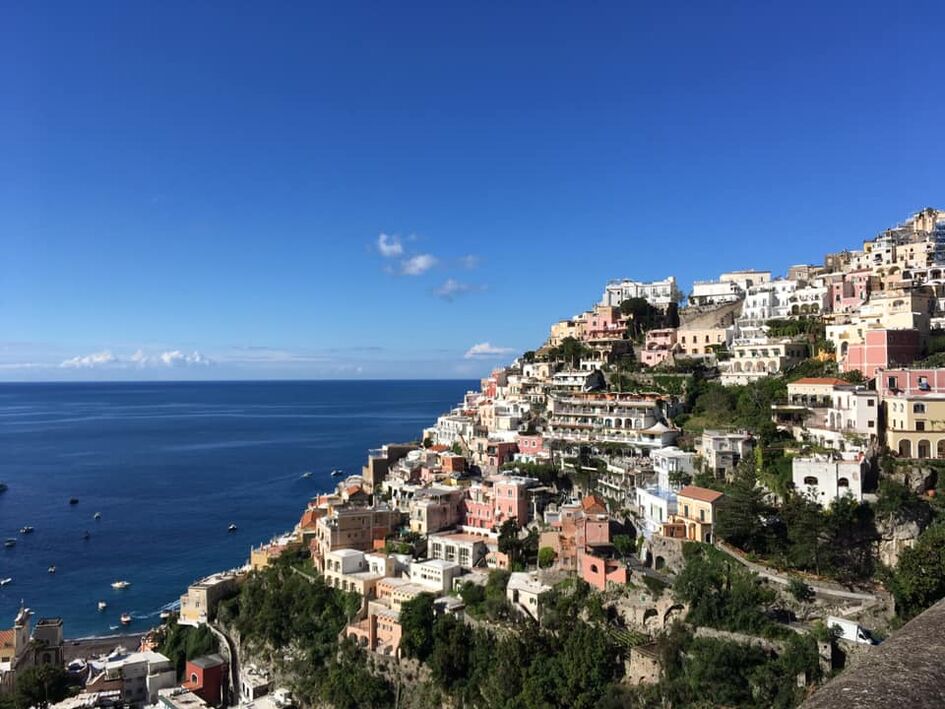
[[658, 346], [849, 293], [530, 445], [882, 349], [910, 382], [510, 495], [602, 322], [478, 508]]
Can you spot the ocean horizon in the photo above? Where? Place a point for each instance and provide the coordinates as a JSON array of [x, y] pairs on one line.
[[169, 465]]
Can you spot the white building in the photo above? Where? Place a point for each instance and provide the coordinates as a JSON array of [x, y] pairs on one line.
[[658, 293], [722, 450], [768, 301], [435, 574], [826, 479], [746, 278], [760, 357], [142, 675], [714, 293], [655, 506], [467, 550], [670, 462], [633, 419], [523, 591]]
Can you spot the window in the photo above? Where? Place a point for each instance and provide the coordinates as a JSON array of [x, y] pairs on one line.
[[920, 425], [810, 480], [891, 382], [870, 402], [843, 482], [918, 408]]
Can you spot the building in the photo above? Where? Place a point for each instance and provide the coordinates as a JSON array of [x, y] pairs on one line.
[[655, 506], [880, 349], [721, 451], [524, 592], [906, 382], [658, 293], [135, 678], [702, 341], [362, 528], [349, 570], [758, 357], [658, 346], [379, 461], [198, 605], [14, 647], [714, 293], [633, 419], [827, 478], [915, 424], [670, 464], [696, 510], [207, 678], [467, 550], [435, 575], [435, 507]]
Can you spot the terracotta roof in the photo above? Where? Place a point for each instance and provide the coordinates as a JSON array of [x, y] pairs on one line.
[[591, 502], [439, 448], [820, 380], [353, 489], [699, 493], [309, 518], [7, 637]]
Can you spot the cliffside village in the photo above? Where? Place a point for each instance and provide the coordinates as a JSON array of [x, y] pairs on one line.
[[448, 497]]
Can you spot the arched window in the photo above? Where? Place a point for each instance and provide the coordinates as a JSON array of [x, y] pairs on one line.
[[924, 449], [905, 448], [843, 482], [810, 480]]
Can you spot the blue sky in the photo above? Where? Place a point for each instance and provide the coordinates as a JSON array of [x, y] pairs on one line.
[[198, 190]]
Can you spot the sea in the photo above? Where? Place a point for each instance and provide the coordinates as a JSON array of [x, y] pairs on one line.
[[170, 466]]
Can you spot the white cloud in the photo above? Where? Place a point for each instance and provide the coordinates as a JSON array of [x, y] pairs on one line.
[[140, 359], [469, 261], [486, 349], [389, 246], [96, 359], [452, 288], [417, 265]]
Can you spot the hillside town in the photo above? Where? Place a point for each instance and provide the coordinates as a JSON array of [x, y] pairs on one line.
[[742, 477]]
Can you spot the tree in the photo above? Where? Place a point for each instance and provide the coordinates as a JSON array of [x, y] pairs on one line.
[[546, 557], [919, 578], [742, 522], [41, 686], [416, 622], [509, 542], [800, 590]]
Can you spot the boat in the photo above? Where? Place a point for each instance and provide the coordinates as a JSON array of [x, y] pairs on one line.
[[307, 474], [126, 618], [232, 527], [86, 536], [73, 500], [121, 585], [97, 516], [51, 569], [4, 582], [165, 615], [11, 542], [102, 605], [26, 530], [337, 473]]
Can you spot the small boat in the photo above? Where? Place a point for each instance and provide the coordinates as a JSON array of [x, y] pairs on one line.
[[232, 527], [307, 474], [97, 516], [26, 530], [4, 582], [11, 542], [165, 615], [121, 585], [51, 569], [73, 500], [102, 605], [126, 618], [337, 473]]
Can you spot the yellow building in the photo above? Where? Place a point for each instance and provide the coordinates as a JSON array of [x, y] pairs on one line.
[[701, 341], [696, 509], [915, 425]]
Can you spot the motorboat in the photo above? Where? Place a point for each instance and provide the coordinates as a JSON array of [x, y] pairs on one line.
[[26, 530], [337, 473], [165, 615], [121, 585], [102, 605], [307, 474], [97, 516], [73, 500], [126, 618], [11, 542], [4, 582], [232, 527], [51, 569]]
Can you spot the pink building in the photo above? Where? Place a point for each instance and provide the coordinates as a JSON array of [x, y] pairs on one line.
[[599, 571], [478, 510], [910, 382], [530, 445], [658, 347], [510, 498], [882, 349], [602, 322], [849, 292]]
